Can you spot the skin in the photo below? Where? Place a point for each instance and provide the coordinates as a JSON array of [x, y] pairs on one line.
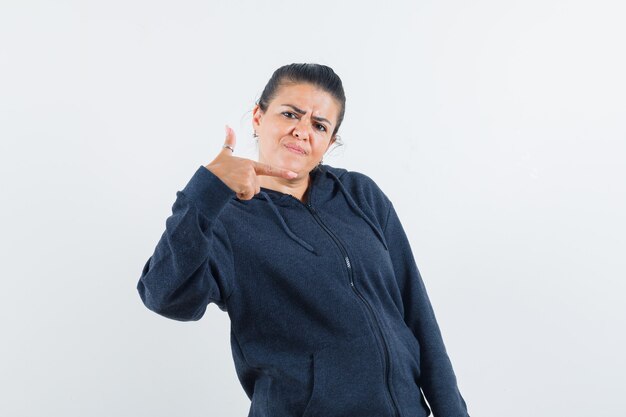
[[281, 125], [279, 168]]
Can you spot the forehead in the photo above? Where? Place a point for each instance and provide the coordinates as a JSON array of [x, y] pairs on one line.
[[307, 97]]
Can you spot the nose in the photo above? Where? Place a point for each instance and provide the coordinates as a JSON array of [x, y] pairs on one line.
[[301, 131]]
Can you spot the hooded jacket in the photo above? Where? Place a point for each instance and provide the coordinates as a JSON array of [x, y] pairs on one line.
[[329, 314]]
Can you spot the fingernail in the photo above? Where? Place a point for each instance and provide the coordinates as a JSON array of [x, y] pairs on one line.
[[292, 174], [226, 129]]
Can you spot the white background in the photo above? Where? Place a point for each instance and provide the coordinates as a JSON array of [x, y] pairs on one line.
[[496, 128]]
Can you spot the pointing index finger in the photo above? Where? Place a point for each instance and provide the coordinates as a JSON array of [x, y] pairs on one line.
[[266, 169]]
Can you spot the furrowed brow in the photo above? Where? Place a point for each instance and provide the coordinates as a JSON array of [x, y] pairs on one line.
[[297, 110]]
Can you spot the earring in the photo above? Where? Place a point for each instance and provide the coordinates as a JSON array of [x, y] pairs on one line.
[[254, 135]]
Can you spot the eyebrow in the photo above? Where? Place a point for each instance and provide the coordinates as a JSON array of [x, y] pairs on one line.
[[297, 110]]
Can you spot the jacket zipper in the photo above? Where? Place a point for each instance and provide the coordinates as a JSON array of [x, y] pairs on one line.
[[349, 266]]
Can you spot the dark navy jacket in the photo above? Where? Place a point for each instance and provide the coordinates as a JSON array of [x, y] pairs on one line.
[[329, 314]]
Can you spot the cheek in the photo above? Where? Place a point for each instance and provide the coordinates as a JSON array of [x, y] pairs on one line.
[[280, 130], [319, 148]]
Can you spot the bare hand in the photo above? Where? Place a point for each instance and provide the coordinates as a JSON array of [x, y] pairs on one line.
[[241, 174]]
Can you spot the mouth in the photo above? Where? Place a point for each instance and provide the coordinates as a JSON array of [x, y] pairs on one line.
[[295, 149]]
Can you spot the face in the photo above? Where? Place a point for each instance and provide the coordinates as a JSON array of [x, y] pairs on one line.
[[301, 116]]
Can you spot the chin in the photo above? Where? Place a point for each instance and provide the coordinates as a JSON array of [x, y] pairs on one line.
[[296, 166]]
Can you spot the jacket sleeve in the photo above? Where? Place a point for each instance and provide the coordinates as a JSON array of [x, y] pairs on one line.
[[437, 378], [192, 264]]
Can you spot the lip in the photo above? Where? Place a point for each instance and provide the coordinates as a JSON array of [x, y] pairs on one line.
[[295, 148]]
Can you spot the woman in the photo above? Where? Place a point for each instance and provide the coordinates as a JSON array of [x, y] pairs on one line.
[[329, 314]]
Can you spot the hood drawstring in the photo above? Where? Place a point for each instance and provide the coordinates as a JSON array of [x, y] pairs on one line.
[[286, 228], [351, 203]]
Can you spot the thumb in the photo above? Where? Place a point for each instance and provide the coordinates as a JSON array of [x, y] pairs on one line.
[[230, 140]]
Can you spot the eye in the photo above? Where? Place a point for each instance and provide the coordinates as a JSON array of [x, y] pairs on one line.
[[319, 126]]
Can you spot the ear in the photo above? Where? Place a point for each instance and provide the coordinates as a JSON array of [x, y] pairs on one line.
[[332, 140], [257, 115]]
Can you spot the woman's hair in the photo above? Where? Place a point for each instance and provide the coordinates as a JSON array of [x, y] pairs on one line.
[[318, 75]]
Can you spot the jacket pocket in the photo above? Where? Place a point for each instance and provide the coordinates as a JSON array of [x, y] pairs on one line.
[[290, 385], [348, 380], [412, 346], [407, 373]]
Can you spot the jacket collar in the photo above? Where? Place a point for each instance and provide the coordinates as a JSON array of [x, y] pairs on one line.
[[324, 178]]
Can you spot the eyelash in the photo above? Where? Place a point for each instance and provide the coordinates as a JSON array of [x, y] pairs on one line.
[[317, 124]]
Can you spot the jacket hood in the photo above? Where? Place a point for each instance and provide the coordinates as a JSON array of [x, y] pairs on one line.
[[324, 180]]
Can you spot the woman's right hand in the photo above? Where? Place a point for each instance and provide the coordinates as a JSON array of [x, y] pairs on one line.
[[240, 174]]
